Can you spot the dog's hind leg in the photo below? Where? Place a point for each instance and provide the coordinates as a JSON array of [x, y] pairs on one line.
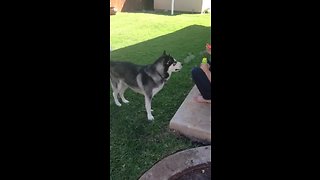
[[148, 100], [122, 88], [115, 92]]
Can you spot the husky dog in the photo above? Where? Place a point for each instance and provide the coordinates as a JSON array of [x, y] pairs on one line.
[[147, 80]]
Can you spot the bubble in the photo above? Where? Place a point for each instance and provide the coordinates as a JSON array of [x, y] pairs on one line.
[[189, 57]]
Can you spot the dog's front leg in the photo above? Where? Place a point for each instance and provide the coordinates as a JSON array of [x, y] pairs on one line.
[[148, 107]]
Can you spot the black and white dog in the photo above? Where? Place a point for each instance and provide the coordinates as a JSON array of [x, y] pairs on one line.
[[144, 79]]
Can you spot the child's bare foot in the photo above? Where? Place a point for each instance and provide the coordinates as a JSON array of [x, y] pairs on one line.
[[199, 99]]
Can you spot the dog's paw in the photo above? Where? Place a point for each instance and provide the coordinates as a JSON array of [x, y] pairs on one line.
[[150, 118], [118, 104], [125, 101]]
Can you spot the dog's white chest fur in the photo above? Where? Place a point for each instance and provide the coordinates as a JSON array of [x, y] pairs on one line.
[[157, 89]]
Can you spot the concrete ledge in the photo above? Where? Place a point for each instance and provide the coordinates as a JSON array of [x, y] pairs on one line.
[[178, 162], [193, 119]]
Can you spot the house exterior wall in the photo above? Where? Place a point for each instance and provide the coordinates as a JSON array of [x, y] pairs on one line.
[[117, 4], [206, 4], [183, 5], [132, 5]]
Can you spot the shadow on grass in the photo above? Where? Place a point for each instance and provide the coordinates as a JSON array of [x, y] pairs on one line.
[[185, 45], [180, 44], [135, 143]]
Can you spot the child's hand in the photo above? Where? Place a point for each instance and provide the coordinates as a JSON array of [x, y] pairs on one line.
[[205, 67]]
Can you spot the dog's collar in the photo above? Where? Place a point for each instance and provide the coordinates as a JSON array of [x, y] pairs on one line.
[[162, 78]]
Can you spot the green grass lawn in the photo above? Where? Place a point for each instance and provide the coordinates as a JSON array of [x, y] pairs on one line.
[[135, 143]]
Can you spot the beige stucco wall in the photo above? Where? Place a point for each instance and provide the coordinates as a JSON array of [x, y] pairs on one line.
[[183, 5]]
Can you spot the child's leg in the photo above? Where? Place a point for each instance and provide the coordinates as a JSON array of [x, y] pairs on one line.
[[202, 82]]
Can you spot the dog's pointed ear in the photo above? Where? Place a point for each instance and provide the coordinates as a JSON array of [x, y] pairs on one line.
[[164, 52]]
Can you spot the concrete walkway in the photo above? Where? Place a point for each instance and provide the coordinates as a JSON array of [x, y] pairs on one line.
[[193, 119], [178, 162]]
